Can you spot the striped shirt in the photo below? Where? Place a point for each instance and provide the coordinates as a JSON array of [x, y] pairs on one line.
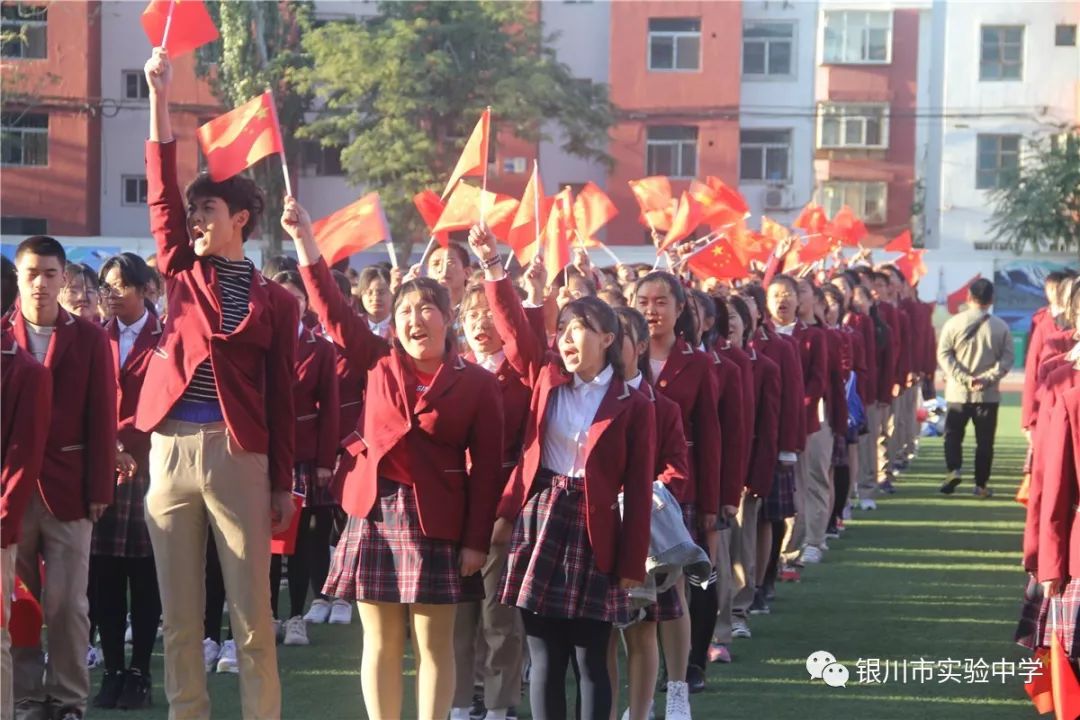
[[234, 282]]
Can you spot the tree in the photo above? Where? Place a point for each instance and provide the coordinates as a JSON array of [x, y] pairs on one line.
[[260, 48], [400, 93], [1038, 205]]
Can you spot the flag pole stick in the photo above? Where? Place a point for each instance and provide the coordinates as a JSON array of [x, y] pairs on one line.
[[168, 24], [427, 252], [607, 250], [483, 183], [392, 253], [281, 153]]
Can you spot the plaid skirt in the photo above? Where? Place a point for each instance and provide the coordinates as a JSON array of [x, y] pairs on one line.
[[385, 557], [1032, 616], [839, 451], [304, 484], [780, 503], [121, 531], [550, 569], [667, 607], [1067, 621]]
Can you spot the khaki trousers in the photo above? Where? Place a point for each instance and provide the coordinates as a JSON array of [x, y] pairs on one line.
[[7, 587], [490, 637], [813, 482], [744, 555], [887, 427], [911, 425], [201, 481], [65, 547], [867, 480], [725, 590]]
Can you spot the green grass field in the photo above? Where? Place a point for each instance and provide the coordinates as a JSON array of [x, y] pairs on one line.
[[924, 576]]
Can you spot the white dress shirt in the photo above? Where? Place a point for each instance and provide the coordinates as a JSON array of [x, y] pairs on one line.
[[786, 329], [382, 329], [128, 335], [657, 367], [635, 382], [491, 362], [566, 432], [39, 337]]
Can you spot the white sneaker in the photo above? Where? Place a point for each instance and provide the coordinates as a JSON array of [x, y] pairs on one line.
[[458, 713], [227, 662], [94, 657], [867, 504], [319, 612], [678, 701], [296, 631], [739, 628], [211, 651], [340, 613], [824, 547], [811, 555]]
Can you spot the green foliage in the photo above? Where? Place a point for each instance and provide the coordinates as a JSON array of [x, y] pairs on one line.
[[401, 91], [1038, 207], [259, 49]]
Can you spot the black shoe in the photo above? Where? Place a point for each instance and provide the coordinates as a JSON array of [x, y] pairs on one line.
[[759, 606], [112, 684], [70, 712], [832, 532], [695, 679], [511, 713], [477, 711], [949, 486], [770, 593], [136, 693]]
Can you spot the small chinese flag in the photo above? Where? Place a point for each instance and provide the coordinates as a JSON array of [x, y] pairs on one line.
[[530, 220], [817, 247], [592, 210], [463, 211], [721, 206], [474, 158], [846, 227], [559, 233], [653, 195], [688, 215], [901, 243], [717, 260], [912, 265], [351, 229], [241, 137], [190, 28], [959, 296], [750, 245], [430, 206], [24, 622], [812, 219], [1040, 687], [1064, 685]]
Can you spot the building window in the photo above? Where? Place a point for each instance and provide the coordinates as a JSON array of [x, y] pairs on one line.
[[853, 126], [1001, 56], [1065, 36], [998, 156], [858, 37], [765, 155], [10, 225], [867, 199], [135, 86], [134, 189], [24, 30], [768, 49], [671, 151], [674, 44], [317, 160], [24, 139]]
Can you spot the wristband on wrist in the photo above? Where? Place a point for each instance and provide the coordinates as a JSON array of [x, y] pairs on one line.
[[490, 262]]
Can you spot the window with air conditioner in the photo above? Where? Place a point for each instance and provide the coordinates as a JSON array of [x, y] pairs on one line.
[[867, 199], [671, 151], [1001, 52], [675, 44], [765, 155], [843, 125], [857, 37], [768, 49], [24, 139], [997, 158], [25, 31]]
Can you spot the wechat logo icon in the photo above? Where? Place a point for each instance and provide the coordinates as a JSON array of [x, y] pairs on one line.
[[822, 665]]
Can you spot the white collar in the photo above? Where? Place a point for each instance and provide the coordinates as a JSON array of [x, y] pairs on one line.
[[787, 329], [492, 361], [635, 382], [602, 380], [135, 327]]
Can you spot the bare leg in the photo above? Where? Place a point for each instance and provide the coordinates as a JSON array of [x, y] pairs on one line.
[[643, 655], [380, 666], [675, 639], [433, 628]]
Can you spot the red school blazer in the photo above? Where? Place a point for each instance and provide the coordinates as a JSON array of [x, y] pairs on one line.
[[621, 449], [786, 357], [129, 383], [765, 451], [672, 464], [80, 453], [315, 395], [733, 425], [251, 365], [737, 355], [461, 413], [1059, 532], [25, 414], [840, 361], [889, 356], [912, 308], [814, 353], [867, 381]]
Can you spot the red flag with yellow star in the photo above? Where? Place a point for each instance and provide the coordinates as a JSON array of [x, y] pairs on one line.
[[464, 206], [812, 219], [912, 266], [653, 195], [351, 229], [901, 243], [717, 260], [430, 206], [241, 137], [846, 227], [189, 28]]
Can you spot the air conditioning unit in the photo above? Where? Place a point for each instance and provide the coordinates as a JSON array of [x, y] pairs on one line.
[[776, 197], [515, 165]]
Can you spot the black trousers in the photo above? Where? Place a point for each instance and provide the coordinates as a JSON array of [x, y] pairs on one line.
[[310, 562], [111, 578], [552, 644], [984, 416], [841, 486]]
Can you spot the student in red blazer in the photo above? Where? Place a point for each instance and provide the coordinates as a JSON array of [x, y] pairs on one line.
[[422, 495], [1044, 321], [686, 376], [876, 344], [830, 308], [221, 415], [121, 559], [315, 395], [76, 481], [588, 437], [891, 380]]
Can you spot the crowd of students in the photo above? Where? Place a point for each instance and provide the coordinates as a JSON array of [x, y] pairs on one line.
[[481, 449]]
